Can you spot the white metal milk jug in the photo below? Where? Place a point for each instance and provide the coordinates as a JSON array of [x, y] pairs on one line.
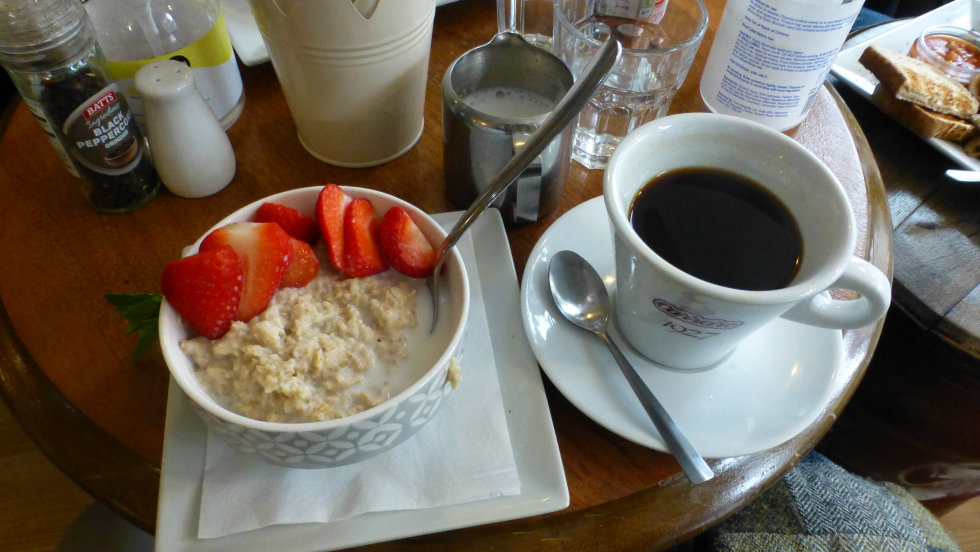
[[353, 73]]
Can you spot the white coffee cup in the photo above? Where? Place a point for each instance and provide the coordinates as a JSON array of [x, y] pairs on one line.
[[680, 321]]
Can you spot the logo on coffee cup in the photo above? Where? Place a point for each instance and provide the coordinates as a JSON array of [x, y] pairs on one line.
[[693, 318]]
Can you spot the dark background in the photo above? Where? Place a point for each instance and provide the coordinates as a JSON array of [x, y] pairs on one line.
[[903, 8]]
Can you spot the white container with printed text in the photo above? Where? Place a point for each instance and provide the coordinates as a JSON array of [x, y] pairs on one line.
[[770, 57]]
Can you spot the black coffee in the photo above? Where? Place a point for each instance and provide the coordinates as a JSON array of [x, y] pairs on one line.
[[720, 227]]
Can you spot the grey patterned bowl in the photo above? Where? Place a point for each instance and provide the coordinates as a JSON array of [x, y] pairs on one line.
[[344, 440]]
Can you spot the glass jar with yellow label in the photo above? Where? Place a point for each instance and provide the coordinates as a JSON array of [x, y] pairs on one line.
[[133, 33]]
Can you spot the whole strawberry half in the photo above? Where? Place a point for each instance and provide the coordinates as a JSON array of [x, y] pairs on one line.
[[265, 250], [205, 289], [303, 266], [404, 246], [362, 245], [295, 223], [331, 204]]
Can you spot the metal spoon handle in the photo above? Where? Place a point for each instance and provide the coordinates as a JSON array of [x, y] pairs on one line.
[[570, 105], [696, 469]]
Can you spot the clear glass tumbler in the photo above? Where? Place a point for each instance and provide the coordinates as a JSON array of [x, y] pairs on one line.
[[532, 19], [639, 89]]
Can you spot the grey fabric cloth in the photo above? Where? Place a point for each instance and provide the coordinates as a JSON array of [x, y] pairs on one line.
[[818, 506]]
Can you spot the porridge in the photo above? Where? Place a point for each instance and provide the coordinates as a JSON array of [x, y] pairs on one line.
[[317, 353]]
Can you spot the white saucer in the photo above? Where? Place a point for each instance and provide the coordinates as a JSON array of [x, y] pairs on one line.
[[775, 384]]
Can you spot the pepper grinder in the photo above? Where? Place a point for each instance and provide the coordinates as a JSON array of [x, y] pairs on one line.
[[192, 153]]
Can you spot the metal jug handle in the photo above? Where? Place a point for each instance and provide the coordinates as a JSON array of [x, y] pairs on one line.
[[527, 187]]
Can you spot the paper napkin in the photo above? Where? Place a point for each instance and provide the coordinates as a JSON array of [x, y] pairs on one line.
[[463, 454]]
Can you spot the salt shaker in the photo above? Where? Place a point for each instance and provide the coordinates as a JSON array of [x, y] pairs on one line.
[[191, 151]]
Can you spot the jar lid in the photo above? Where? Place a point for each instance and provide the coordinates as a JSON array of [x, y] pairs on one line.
[[29, 27]]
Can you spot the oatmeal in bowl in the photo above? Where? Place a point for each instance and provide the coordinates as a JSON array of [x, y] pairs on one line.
[[319, 353]]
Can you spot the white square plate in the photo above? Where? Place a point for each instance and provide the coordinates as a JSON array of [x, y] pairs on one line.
[[543, 485]]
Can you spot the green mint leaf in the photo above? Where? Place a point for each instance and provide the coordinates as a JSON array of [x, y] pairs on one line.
[[141, 310]]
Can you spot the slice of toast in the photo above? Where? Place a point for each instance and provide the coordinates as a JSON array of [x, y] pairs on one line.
[[922, 121], [918, 82]]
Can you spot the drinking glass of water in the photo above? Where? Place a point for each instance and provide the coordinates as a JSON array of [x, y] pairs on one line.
[[658, 48]]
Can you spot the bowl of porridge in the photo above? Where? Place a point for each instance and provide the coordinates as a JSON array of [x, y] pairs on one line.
[[333, 372]]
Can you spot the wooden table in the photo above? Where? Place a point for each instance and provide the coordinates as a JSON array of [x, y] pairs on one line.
[[65, 367], [936, 222], [917, 410]]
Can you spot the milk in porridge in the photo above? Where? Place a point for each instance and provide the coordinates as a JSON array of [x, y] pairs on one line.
[[330, 349]]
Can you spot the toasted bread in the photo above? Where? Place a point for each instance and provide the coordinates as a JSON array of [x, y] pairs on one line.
[[916, 81], [922, 121]]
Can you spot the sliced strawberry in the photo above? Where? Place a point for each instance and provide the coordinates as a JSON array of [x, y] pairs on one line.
[[205, 289], [362, 246], [303, 266], [265, 250], [295, 223], [404, 246], [331, 205]]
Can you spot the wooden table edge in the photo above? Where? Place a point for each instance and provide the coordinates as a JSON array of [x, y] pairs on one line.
[[87, 454]]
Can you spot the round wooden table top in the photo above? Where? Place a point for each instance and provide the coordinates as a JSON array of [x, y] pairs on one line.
[[67, 374]]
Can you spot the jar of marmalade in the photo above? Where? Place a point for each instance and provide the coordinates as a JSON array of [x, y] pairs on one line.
[[953, 50]]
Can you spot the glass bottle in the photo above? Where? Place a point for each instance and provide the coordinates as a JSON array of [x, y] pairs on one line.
[[133, 33], [48, 48]]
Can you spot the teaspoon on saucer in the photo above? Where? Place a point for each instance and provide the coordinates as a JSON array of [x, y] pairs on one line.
[[582, 298]]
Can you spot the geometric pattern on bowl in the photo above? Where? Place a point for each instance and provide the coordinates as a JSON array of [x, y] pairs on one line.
[[343, 445]]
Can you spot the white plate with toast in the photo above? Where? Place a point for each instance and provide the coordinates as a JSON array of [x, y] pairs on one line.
[[900, 38]]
